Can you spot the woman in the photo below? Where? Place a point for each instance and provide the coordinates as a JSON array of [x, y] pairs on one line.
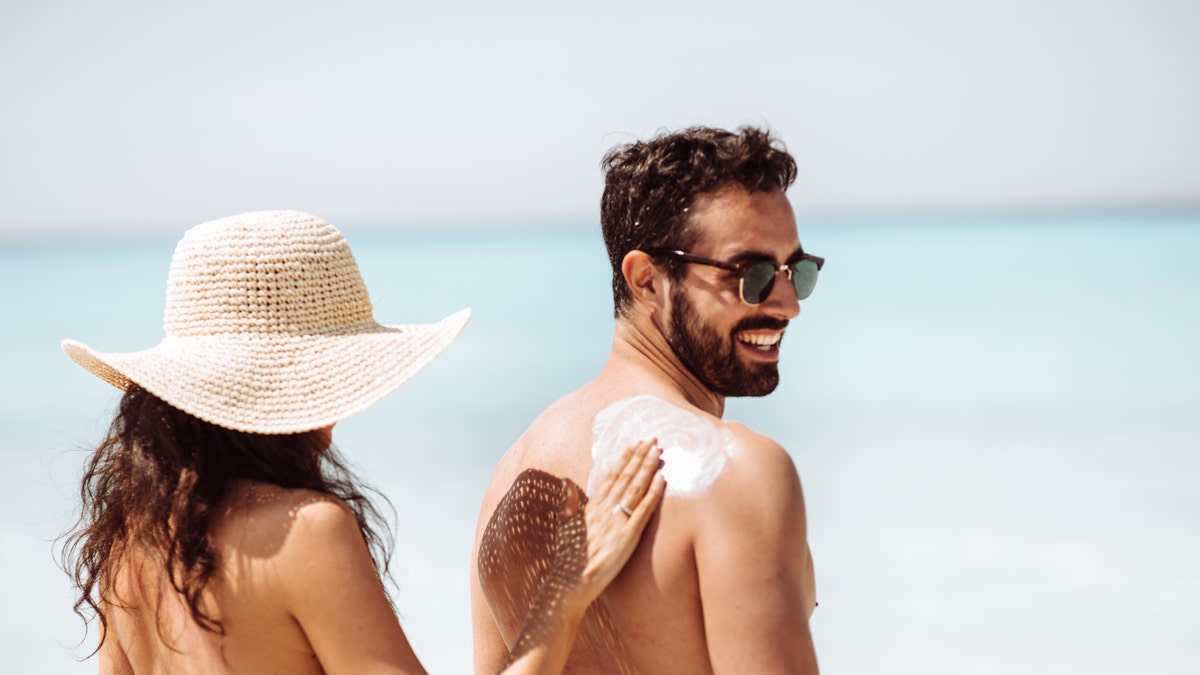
[[220, 531]]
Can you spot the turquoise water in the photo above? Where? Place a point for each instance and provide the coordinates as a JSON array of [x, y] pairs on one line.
[[997, 424]]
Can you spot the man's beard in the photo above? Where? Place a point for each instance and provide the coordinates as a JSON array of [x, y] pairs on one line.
[[713, 360]]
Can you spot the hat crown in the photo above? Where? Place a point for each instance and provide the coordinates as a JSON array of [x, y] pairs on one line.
[[266, 272]]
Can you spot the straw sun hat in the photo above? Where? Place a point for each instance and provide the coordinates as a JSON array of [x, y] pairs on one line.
[[269, 330]]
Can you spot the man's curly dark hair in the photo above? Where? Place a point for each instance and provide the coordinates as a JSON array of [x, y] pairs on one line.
[[650, 185]]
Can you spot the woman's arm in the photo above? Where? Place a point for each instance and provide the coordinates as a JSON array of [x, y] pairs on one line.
[[332, 591]]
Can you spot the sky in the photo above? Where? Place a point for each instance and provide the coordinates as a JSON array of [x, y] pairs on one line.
[[150, 117]]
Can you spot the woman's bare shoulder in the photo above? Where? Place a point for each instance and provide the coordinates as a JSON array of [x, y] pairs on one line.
[[264, 520]]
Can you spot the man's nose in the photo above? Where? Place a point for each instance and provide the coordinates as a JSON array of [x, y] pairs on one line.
[[782, 300]]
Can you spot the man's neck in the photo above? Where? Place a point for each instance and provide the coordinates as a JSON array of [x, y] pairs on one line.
[[647, 354]]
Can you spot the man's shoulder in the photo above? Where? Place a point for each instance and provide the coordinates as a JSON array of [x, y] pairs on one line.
[[759, 473], [557, 436], [545, 445], [755, 451]]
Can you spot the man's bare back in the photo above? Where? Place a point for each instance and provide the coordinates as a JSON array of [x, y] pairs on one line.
[[651, 619]]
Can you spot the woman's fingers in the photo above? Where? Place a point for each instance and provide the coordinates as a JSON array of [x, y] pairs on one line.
[[619, 511], [649, 502], [643, 473], [645, 491], [627, 480]]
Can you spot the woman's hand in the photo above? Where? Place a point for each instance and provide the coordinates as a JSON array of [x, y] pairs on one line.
[[617, 514], [591, 548]]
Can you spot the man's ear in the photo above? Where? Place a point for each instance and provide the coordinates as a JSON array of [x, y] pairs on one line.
[[645, 279]]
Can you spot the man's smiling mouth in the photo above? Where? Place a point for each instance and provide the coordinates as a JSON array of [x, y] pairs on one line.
[[762, 341]]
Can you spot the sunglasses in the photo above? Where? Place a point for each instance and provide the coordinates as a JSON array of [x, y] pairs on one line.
[[756, 278]]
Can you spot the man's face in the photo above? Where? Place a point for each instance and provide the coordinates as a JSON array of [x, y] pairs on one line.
[[732, 347]]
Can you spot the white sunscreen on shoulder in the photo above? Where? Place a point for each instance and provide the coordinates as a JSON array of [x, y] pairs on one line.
[[694, 449]]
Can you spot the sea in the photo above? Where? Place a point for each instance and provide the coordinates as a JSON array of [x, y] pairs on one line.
[[996, 421]]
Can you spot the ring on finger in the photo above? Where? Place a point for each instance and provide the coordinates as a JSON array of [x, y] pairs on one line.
[[621, 508]]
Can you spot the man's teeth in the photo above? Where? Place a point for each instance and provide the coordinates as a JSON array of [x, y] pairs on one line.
[[760, 341]]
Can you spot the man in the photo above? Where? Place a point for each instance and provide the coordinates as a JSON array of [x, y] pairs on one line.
[[707, 272]]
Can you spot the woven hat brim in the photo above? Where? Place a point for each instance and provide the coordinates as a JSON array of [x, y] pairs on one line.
[[276, 384]]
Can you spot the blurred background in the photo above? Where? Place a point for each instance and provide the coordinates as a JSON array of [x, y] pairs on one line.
[[991, 397]]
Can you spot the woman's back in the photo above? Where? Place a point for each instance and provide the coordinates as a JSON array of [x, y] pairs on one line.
[[292, 570]]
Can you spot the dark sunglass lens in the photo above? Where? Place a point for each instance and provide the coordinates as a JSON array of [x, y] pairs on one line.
[[757, 281], [804, 278]]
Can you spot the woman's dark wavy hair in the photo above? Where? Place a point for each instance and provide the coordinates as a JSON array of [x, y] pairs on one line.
[[650, 185], [155, 482]]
